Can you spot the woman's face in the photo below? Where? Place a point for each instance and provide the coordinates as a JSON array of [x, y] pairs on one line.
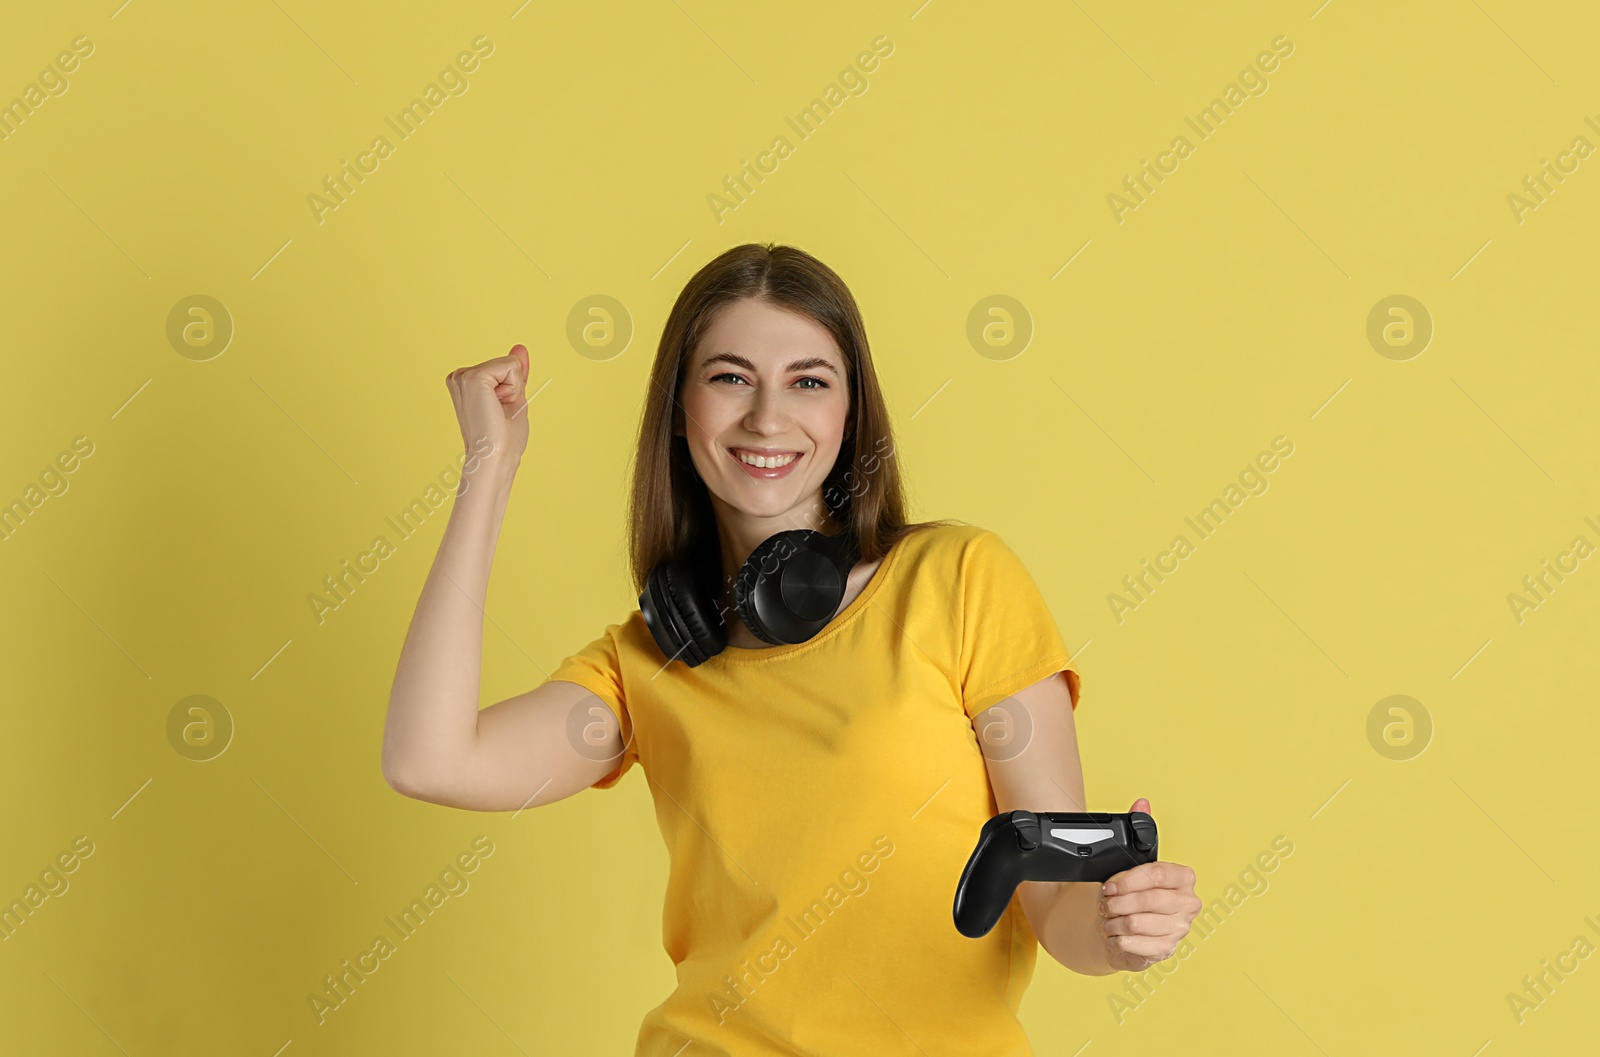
[[766, 384]]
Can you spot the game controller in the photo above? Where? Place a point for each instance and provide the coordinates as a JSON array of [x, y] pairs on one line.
[[1017, 846]]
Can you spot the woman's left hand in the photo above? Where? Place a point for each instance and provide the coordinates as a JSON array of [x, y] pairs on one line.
[[1146, 911]]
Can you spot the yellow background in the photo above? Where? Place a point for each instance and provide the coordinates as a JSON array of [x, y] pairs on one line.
[[1228, 309]]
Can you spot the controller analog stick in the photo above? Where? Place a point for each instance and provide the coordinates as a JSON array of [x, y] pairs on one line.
[[1027, 825]]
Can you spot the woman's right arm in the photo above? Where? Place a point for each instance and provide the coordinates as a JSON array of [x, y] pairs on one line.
[[437, 745]]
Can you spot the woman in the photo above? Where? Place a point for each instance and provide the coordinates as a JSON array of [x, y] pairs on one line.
[[818, 798]]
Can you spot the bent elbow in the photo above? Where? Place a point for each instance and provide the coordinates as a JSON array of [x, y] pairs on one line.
[[404, 777], [402, 782]]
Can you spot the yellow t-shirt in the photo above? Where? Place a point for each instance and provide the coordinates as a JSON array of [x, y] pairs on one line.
[[819, 801]]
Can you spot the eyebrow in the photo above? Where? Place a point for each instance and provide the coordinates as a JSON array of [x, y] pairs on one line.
[[806, 364]]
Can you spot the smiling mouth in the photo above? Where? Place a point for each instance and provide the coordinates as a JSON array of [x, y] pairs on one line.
[[773, 461]]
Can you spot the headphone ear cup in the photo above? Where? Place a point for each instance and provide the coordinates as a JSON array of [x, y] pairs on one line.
[[654, 606], [678, 618], [790, 586], [704, 626], [754, 579]]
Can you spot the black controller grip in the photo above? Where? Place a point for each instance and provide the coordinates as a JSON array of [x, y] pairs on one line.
[[1017, 846]]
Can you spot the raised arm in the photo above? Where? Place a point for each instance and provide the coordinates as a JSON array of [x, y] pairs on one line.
[[437, 745]]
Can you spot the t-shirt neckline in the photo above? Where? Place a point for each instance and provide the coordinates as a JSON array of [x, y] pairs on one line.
[[758, 654]]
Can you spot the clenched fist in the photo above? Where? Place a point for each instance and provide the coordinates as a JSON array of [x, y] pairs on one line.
[[492, 407]]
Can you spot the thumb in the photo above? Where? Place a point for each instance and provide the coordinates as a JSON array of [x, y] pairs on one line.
[[1141, 804], [515, 382]]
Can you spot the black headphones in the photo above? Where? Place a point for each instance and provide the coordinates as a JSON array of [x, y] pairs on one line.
[[786, 592]]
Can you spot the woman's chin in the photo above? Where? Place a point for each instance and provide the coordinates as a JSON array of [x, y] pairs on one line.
[[761, 499]]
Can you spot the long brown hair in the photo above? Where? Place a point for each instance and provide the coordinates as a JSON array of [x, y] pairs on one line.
[[670, 516]]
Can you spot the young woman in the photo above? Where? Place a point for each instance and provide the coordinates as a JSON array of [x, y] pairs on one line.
[[818, 798]]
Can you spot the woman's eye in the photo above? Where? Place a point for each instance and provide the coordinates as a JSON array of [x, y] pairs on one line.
[[821, 383]]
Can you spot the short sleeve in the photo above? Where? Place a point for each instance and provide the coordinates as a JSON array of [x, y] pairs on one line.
[[597, 669], [1009, 640]]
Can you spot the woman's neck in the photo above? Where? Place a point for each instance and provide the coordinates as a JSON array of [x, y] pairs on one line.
[[739, 538]]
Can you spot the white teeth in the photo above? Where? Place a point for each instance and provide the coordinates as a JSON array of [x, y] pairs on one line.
[[765, 462]]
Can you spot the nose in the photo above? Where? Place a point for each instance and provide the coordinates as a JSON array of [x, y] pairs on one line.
[[765, 415]]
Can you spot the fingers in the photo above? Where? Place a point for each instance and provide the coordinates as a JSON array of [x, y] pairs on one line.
[[1151, 888], [1153, 901], [1140, 925], [1137, 940], [1150, 875], [1141, 952], [509, 369], [506, 375]]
